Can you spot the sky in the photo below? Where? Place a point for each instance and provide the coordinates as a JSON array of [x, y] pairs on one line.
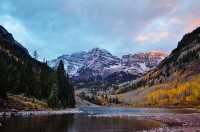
[[56, 27]]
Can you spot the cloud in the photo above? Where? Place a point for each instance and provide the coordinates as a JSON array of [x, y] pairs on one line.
[[193, 24], [23, 35], [152, 37], [175, 20], [116, 17], [58, 27]]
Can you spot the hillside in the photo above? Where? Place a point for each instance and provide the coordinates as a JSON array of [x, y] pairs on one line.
[[174, 82], [22, 74]]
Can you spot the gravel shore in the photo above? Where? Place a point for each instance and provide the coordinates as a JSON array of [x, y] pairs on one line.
[[38, 113], [176, 122]]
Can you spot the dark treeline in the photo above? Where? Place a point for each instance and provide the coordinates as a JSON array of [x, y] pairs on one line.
[[21, 74], [63, 93]]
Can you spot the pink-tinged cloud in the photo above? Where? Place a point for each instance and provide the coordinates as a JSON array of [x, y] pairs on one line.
[[193, 24], [74, 25], [175, 20], [152, 37]]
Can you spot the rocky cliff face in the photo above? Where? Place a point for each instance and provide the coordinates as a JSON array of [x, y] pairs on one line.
[[100, 65], [147, 60]]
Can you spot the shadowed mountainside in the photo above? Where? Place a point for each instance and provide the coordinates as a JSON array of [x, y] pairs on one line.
[[22, 74]]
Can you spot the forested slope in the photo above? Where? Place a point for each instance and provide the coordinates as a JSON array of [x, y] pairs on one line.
[[22, 74]]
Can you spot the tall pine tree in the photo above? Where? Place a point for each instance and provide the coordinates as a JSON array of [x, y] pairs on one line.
[[27, 82], [65, 89], [3, 80]]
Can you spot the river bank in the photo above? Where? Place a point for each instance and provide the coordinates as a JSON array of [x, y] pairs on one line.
[[177, 122], [18, 103], [12, 114]]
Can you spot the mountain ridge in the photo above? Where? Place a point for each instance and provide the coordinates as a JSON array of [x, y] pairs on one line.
[[98, 64]]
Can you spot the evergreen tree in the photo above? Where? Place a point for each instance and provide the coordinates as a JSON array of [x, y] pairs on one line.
[[35, 54], [45, 83], [22, 79], [53, 100], [65, 90], [28, 80], [3, 80]]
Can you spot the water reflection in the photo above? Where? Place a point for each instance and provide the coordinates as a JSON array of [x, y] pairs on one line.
[[39, 124], [75, 123], [113, 124]]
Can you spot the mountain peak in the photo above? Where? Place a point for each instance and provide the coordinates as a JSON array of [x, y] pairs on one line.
[[153, 52], [159, 54], [150, 54], [99, 51]]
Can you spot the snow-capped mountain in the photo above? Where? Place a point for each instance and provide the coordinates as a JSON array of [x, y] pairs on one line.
[[99, 64], [95, 64], [143, 62], [133, 66], [72, 62]]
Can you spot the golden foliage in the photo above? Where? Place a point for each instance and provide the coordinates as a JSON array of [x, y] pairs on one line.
[[187, 93]]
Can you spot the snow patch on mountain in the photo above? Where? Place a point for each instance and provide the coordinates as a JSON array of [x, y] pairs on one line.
[[101, 63]]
